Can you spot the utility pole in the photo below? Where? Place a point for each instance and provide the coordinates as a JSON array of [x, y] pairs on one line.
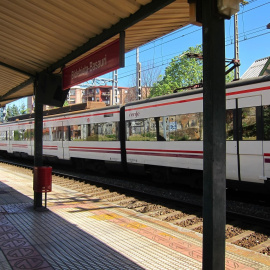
[[138, 76], [236, 46], [115, 88]]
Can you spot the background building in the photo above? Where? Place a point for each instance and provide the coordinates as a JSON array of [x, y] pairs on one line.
[[101, 93]]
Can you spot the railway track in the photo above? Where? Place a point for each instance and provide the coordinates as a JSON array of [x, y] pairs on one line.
[[247, 225]]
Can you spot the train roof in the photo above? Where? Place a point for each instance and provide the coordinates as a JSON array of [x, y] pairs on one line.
[[50, 114], [200, 90], [81, 108]]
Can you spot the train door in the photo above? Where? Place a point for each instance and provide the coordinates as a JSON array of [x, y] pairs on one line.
[[232, 160], [250, 144], [65, 140]]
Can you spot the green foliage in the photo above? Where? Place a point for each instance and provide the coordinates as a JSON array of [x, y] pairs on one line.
[[65, 103], [22, 109], [136, 137], [99, 137], [243, 3], [182, 71], [14, 110], [266, 122]]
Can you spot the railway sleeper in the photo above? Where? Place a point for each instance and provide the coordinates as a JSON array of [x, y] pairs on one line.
[[239, 236], [122, 199], [172, 216], [183, 219], [160, 212], [149, 208], [262, 246], [196, 225]]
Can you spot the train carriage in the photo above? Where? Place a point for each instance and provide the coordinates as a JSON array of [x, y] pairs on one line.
[[167, 132], [17, 138], [81, 136], [162, 136]]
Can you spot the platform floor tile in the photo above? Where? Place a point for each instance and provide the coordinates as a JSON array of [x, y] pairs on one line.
[[80, 232]]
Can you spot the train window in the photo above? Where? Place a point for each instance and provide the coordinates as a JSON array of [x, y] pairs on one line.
[[57, 133], [29, 134], [11, 135], [108, 131], [84, 132], [229, 125], [92, 132], [150, 133], [186, 127], [3, 136], [249, 123], [266, 122], [163, 129], [19, 135], [46, 134], [66, 133], [168, 128], [135, 130], [75, 133]]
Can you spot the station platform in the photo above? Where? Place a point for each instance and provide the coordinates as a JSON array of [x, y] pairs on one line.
[[81, 232]]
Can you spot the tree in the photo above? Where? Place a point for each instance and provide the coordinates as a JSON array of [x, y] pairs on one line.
[[65, 103], [183, 71], [23, 110], [13, 110]]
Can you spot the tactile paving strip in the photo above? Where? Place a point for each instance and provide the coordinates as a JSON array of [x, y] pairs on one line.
[[163, 244], [17, 250]]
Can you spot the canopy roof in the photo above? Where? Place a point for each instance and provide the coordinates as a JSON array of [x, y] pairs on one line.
[[46, 35]]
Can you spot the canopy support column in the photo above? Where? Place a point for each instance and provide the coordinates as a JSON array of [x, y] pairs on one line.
[[38, 142], [214, 145]]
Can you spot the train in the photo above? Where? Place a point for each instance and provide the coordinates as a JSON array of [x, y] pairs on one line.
[[161, 137]]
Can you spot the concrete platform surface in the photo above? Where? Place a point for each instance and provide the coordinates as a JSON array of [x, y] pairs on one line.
[[80, 232]]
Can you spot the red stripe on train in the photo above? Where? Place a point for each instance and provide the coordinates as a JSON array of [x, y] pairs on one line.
[[165, 155], [162, 150]]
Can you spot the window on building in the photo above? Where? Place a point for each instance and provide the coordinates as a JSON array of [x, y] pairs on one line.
[[72, 92]]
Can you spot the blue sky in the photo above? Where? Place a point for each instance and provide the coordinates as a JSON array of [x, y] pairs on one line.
[[254, 43]]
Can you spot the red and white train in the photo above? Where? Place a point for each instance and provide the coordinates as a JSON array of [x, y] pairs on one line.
[[162, 136]]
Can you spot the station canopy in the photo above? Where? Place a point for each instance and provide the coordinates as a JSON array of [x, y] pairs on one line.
[[47, 35]]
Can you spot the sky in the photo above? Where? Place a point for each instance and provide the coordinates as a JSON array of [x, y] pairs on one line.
[[254, 44]]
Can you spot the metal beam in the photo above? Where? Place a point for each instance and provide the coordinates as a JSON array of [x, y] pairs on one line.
[[119, 27], [17, 88], [214, 139], [16, 69]]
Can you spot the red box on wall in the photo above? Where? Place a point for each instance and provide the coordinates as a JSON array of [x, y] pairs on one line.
[[42, 179]]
